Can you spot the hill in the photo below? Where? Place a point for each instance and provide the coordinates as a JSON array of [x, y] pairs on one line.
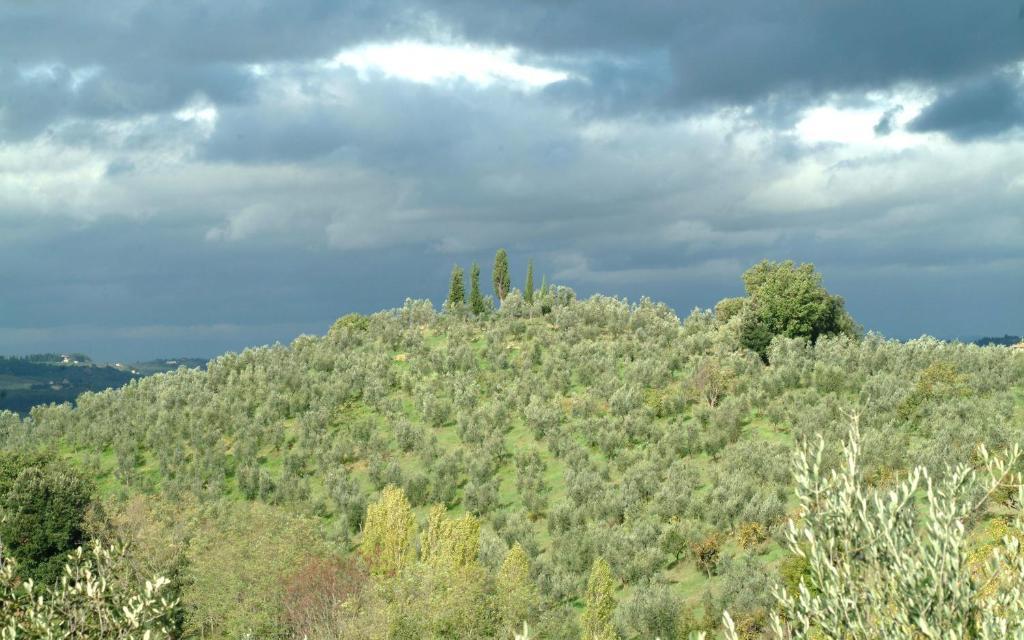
[[1006, 341], [39, 379], [574, 430]]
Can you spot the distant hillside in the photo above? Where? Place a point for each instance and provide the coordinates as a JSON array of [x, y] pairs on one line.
[[1006, 341], [27, 381]]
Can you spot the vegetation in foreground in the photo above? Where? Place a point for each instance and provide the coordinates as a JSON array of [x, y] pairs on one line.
[[596, 468]]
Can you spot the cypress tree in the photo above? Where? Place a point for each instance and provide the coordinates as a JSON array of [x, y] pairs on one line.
[[543, 286], [457, 288], [528, 289], [598, 604], [502, 283], [476, 300]]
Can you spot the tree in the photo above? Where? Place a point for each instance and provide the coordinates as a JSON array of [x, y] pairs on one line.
[[450, 543], [528, 288], [44, 511], [727, 308], [711, 380], [456, 289], [314, 593], [787, 300], [598, 604], [530, 469], [388, 532], [706, 552], [500, 277], [238, 568], [476, 299], [517, 595]]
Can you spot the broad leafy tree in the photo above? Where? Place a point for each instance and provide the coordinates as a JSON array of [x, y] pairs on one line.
[[43, 513], [788, 300]]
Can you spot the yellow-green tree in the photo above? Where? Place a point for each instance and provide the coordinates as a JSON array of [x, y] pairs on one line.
[[450, 543], [444, 594], [388, 532], [599, 604], [516, 593]]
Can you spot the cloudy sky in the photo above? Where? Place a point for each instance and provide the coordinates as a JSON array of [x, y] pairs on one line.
[[183, 178]]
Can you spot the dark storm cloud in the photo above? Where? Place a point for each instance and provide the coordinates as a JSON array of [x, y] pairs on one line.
[[36, 98], [739, 52], [630, 57], [145, 57], [978, 109]]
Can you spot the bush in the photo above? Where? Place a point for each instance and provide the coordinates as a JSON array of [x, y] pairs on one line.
[[44, 511]]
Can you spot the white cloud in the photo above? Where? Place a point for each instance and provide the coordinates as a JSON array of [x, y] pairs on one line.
[[429, 63], [200, 112]]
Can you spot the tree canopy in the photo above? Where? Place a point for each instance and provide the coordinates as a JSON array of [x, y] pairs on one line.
[[784, 299]]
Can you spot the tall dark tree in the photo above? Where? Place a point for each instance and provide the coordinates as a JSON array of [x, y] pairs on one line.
[[528, 289], [457, 288], [502, 282], [476, 299]]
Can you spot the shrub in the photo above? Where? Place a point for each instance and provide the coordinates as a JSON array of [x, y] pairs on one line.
[[44, 511]]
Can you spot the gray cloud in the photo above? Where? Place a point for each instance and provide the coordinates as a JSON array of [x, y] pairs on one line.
[[739, 52], [192, 177], [885, 126], [981, 108]]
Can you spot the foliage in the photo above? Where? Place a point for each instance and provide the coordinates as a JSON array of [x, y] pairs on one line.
[[43, 512], [598, 604], [787, 300], [528, 287], [706, 553], [500, 276], [517, 596], [456, 289], [89, 601], [388, 532], [881, 565], [314, 593], [238, 566], [476, 299]]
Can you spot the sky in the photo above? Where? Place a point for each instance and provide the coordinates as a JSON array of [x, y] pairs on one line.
[[185, 178]]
